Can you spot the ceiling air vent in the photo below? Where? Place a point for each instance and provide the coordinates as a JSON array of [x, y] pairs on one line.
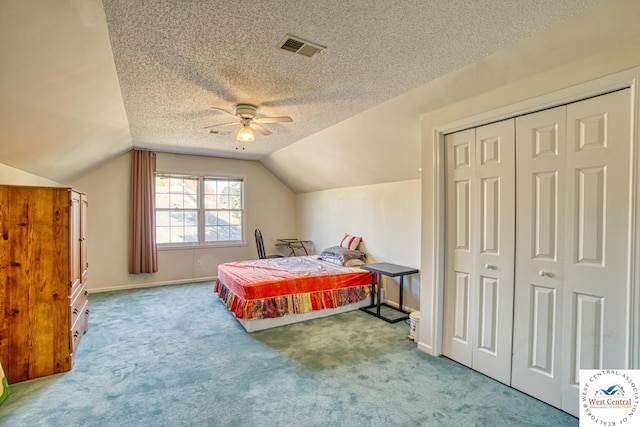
[[299, 46]]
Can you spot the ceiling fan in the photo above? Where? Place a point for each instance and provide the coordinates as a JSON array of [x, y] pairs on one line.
[[246, 117]]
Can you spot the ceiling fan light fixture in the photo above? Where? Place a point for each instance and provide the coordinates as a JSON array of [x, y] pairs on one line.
[[245, 116], [245, 134]]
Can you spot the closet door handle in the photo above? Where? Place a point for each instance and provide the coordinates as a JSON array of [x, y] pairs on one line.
[[543, 273], [490, 266]]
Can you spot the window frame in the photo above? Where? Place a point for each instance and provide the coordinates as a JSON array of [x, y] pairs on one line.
[[201, 232]]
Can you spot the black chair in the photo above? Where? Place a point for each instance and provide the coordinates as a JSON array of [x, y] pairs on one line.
[[260, 245]]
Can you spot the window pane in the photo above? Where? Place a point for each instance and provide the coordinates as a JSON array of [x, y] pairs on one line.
[[223, 217], [162, 218], [209, 186], [177, 203], [162, 201], [235, 233], [209, 201], [162, 185], [210, 218], [191, 234], [223, 233], [190, 201], [235, 189], [177, 218], [223, 201], [223, 225], [235, 218], [223, 193], [176, 235], [163, 235], [191, 218], [235, 202], [211, 234]]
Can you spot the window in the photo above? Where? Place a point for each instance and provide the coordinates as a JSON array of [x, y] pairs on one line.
[[222, 209], [199, 210]]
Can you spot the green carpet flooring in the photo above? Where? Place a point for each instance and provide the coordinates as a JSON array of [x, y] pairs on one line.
[[174, 356]]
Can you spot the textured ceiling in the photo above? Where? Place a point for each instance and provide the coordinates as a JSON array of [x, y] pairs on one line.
[[176, 59], [84, 81]]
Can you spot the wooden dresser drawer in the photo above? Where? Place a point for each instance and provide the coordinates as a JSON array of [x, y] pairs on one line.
[[78, 301], [74, 287], [80, 327]]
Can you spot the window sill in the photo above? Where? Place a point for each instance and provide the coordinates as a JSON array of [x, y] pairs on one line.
[[199, 246]]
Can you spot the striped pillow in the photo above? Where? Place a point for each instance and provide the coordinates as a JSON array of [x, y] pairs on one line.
[[350, 242]]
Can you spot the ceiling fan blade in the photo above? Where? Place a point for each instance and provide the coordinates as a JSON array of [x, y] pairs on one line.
[[222, 124], [283, 119], [223, 110], [261, 129]]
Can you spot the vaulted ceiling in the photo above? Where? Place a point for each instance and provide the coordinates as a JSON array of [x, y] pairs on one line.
[[83, 82]]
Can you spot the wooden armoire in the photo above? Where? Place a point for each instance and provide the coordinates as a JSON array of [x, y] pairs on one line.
[[43, 280]]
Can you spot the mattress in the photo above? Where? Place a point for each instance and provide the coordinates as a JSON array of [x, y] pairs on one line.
[[275, 287]]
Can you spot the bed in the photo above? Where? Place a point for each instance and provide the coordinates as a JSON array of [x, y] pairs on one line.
[[267, 293]]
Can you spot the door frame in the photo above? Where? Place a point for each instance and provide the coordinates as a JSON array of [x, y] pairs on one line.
[[433, 266]]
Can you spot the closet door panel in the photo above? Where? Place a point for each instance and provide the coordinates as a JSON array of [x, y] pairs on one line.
[[494, 224], [480, 247], [545, 215], [596, 312], [539, 277], [543, 329], [460, 299], [488, 309], [460, 268]]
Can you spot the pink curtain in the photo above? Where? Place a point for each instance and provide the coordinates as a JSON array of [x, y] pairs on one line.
[[143, 255]]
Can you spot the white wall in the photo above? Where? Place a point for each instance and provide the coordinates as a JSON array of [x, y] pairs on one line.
[[12, 176], [604, 41], [61, 110], [386, 216], [379, 145], [270, 206]]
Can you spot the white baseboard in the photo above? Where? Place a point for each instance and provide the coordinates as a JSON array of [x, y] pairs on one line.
[[152, 284], [426, 348], [395, 304]]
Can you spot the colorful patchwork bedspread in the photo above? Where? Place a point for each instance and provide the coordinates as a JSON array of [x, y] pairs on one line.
[[269, 288]]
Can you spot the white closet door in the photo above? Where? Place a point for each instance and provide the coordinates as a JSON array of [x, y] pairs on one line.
[[480, 248], [461, 245], [573, 240], [537, 328], [495, 217], [595, 307]]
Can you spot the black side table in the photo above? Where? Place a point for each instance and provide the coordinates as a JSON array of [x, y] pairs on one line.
[[392, 270]]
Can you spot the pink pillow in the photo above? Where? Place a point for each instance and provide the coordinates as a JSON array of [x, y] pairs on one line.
[[350, 242]]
